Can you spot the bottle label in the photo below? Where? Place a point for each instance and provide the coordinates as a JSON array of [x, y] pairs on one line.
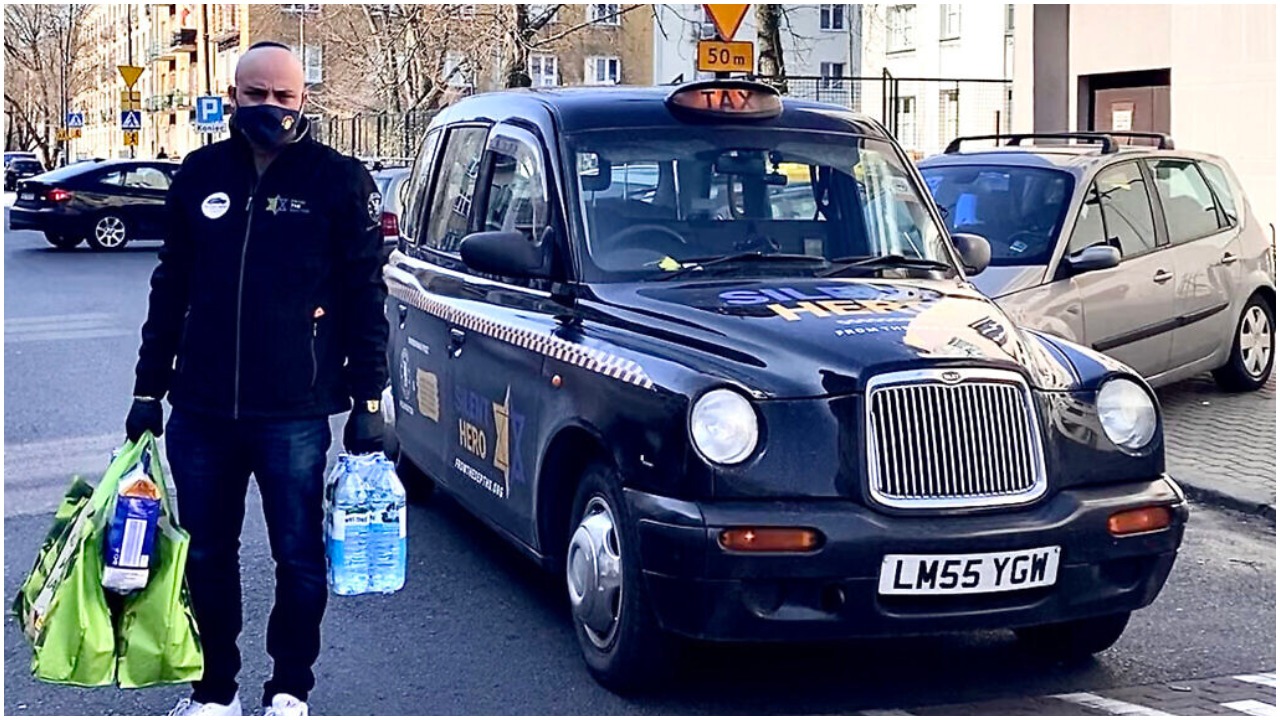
[[404, 526]]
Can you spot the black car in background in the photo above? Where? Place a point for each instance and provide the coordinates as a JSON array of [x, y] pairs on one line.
[[20, 169], [107, 203]]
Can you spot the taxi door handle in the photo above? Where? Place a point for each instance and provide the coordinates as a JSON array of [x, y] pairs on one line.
[[456, 340], [1229, 258], [1162, 276], [404, 313]]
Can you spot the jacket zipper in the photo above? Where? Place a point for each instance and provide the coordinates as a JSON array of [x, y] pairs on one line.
[[244, 252], [315, 365]]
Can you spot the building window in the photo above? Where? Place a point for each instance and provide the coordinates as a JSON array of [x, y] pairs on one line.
[[457, 70], [544, 70], [950, 22], [1008, 20], [832, 17], [906, 112], [902, 27], [832, 75], [602, 71], [604, 14], [312, 61], [536, 13], [306, 8], [949, 112]]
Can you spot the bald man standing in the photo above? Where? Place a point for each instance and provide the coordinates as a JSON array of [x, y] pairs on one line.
[[266, 317]]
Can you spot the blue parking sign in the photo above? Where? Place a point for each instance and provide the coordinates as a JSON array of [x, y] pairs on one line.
[[209, 110]]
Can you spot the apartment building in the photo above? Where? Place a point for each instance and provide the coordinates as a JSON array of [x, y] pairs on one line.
[[949, 65], [185, 51], [821, 44], [1206, 74]]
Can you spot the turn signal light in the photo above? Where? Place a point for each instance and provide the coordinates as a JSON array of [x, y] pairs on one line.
[[770, 539], [59, 195], [1142, 520]]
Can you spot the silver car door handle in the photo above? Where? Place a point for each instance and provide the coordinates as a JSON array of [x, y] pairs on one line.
[[1229, 258], [1162, 276]]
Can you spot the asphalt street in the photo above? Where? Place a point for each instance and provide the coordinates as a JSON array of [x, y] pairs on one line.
[[478, 630]]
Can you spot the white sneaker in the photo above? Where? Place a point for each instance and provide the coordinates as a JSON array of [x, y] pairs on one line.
[[187, 706], [284, 704]]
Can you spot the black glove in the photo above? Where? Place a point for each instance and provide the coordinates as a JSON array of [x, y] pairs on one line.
[[363, 433], [143, 416]]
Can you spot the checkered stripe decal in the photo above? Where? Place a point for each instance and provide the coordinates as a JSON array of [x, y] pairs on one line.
[[596, 361]]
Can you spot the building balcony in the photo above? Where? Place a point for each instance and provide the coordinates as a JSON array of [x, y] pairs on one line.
[[180, 99], [184, 39], [157, 52]]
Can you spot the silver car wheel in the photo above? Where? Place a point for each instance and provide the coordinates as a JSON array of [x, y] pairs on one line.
[[1255, 341], [109, 231], [594, 573]]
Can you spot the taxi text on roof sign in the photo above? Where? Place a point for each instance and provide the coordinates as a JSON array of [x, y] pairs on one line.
[[726, 17], [739, 99]]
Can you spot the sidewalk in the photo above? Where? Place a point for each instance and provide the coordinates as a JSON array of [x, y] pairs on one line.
[[1222, 447]]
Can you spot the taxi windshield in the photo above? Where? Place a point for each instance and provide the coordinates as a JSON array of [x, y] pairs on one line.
[[657, 202]]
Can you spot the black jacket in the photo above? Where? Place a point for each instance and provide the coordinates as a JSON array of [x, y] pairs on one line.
[[268, 300]]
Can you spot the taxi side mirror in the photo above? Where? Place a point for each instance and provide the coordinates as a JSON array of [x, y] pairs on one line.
[[975, 251], [507, 253], [1094, 257]]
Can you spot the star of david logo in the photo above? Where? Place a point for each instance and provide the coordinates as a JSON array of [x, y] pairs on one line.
[[274, 205]]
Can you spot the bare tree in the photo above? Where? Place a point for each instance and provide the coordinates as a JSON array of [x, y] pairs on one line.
[[41, 46]]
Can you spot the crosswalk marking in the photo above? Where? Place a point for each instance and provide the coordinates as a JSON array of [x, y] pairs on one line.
[[1268, 679], [1108, 705], [1251, 707]]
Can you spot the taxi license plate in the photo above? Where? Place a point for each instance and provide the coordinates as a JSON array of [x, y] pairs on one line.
[[969, 574]]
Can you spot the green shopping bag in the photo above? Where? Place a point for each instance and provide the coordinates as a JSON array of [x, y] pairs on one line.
[[61, 605], [64, 610], [158, 640]]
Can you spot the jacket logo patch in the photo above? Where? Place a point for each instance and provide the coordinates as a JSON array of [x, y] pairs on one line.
[[278, 204], [216, 205], [375, 206]]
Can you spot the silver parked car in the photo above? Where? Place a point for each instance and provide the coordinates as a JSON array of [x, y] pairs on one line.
[[1147, 253]]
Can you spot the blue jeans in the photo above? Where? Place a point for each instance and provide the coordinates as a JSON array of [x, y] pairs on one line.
[[212, 459]]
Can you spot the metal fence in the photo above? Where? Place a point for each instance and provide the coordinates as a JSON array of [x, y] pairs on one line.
[[924, 114], [375, 135]]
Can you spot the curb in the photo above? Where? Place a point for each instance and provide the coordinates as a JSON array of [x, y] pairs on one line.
[[1213, 496]]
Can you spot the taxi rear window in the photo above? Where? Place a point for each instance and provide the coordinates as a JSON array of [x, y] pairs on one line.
[[655, 199]]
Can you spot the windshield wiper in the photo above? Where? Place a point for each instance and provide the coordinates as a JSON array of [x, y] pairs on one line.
[[877, 262], [703, 263]]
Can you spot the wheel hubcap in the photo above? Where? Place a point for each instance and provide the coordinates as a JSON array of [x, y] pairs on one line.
[[594, 573], [1255, 341], [109, 231]]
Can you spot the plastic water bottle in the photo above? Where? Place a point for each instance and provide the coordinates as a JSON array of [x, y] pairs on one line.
[[349, 534], [387, 536]]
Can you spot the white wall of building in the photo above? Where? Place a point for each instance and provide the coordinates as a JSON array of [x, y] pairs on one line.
[[1222, 66], [806, 46], [923, 41]]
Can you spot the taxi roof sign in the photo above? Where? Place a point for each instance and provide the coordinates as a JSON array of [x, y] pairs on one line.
[[726, 17], [724, 99]]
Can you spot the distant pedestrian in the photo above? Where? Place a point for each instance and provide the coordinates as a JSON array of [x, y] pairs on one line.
[[162, 155], [266, 317]]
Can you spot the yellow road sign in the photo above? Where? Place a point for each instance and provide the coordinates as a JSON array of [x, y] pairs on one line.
[[130, 137], [130, 100], [130, 73], [727, 18], [75, 133], [715, 56]]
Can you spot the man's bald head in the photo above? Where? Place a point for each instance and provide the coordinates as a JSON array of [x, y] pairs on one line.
[[269, 74]]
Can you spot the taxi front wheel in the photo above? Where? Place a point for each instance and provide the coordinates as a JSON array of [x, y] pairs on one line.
[[621, 641], [1075, 639]]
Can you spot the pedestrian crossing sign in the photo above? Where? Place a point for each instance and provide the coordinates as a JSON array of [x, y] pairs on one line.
[[131, 120]]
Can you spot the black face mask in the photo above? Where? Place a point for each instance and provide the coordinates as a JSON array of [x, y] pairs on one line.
[[268, 127]]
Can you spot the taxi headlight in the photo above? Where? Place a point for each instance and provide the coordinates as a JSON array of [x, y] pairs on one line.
[[1127, 414], [724, 427]]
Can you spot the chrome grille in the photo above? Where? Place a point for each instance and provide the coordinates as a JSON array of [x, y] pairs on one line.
[[952, 438]]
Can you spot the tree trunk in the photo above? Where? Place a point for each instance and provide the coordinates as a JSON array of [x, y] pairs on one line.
[[516, 73], [773, 69]]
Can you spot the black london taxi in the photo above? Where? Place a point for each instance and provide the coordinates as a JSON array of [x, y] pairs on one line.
[[711, 355]]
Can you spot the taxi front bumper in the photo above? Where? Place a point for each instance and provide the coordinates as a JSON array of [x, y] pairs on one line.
[[700, 590]]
